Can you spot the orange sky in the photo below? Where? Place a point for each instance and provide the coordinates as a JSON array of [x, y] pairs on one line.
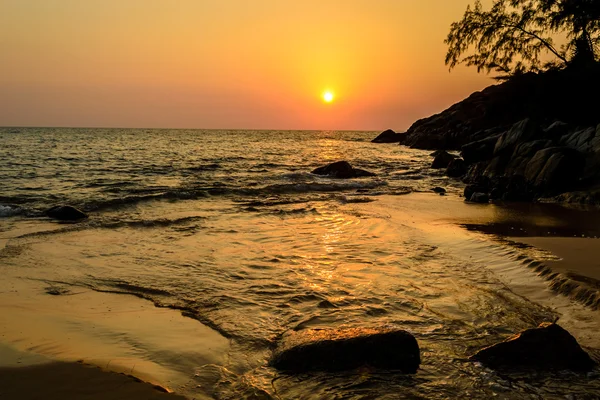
[[247, 64]]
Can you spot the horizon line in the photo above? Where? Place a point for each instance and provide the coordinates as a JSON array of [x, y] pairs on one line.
[[198, 129]]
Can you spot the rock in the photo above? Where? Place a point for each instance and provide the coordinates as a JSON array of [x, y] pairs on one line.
[[528, 149], [438, 189], [580, 140], [517, 189], [389, 136], [346, 349], [442, 160], [480, 187], [479, 197], [65, 213], [456, 168], [547, 347], [496, 167], [556, 130], [554, 169], [341, 170], [522, 131], [480, 150]]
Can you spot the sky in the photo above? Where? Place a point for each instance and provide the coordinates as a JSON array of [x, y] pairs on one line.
[[228, 64]]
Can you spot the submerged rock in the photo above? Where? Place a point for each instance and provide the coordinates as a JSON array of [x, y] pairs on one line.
[[389, 136], [341, 170], [442, 160], [66, 213], [348, 348], [547, 347]]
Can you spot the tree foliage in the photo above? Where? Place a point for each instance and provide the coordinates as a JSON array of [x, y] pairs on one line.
[[514, 34]]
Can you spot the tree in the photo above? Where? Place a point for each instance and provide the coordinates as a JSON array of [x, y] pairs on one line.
[[512, 37]]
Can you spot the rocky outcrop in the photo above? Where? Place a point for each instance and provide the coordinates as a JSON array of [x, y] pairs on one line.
[[66, 213], [341, 170], [389, 136], [544, 97], [547, 347], [345, 349]]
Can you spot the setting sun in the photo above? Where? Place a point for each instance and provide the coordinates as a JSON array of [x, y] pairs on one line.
[[328, 97]]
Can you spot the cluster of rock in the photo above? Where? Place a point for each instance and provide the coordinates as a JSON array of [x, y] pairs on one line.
[[547, 347], [531, 137], [530, 161]]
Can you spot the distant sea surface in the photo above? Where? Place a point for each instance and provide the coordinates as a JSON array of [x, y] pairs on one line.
[[233, 229]]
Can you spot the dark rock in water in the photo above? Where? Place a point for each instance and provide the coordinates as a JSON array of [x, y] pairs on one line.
[[65, 213], [389, 136], [456, 168], [341, 170], [442, 160], [478, 197], [547, 347], [438, 189], [480, 150], [345, 349]]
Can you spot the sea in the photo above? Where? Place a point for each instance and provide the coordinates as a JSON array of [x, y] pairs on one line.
[[231, 229]]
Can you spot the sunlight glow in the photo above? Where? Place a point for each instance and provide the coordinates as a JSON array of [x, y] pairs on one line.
[[328, 97]]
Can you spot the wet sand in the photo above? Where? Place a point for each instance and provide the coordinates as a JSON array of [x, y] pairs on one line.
[[62, 380], [123, 335], [578, 258]]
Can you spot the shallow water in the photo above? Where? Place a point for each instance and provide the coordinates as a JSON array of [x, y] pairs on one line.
[[231, 229]]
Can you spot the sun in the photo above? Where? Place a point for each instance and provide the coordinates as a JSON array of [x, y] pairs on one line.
[[328, 96]]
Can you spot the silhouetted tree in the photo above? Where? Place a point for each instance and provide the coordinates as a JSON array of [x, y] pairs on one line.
[[511, 37]]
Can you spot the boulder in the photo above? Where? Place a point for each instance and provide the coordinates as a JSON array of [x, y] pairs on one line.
[[439, 190], [528, 149], [522, 131], [346, 349], [442, 160], [480, 150], [341, 170], [556, 130], [66, 213], [547, 347], [389, 136], [580, 140], [554, 169], [479, 197], [456, 168], [480, 187]]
